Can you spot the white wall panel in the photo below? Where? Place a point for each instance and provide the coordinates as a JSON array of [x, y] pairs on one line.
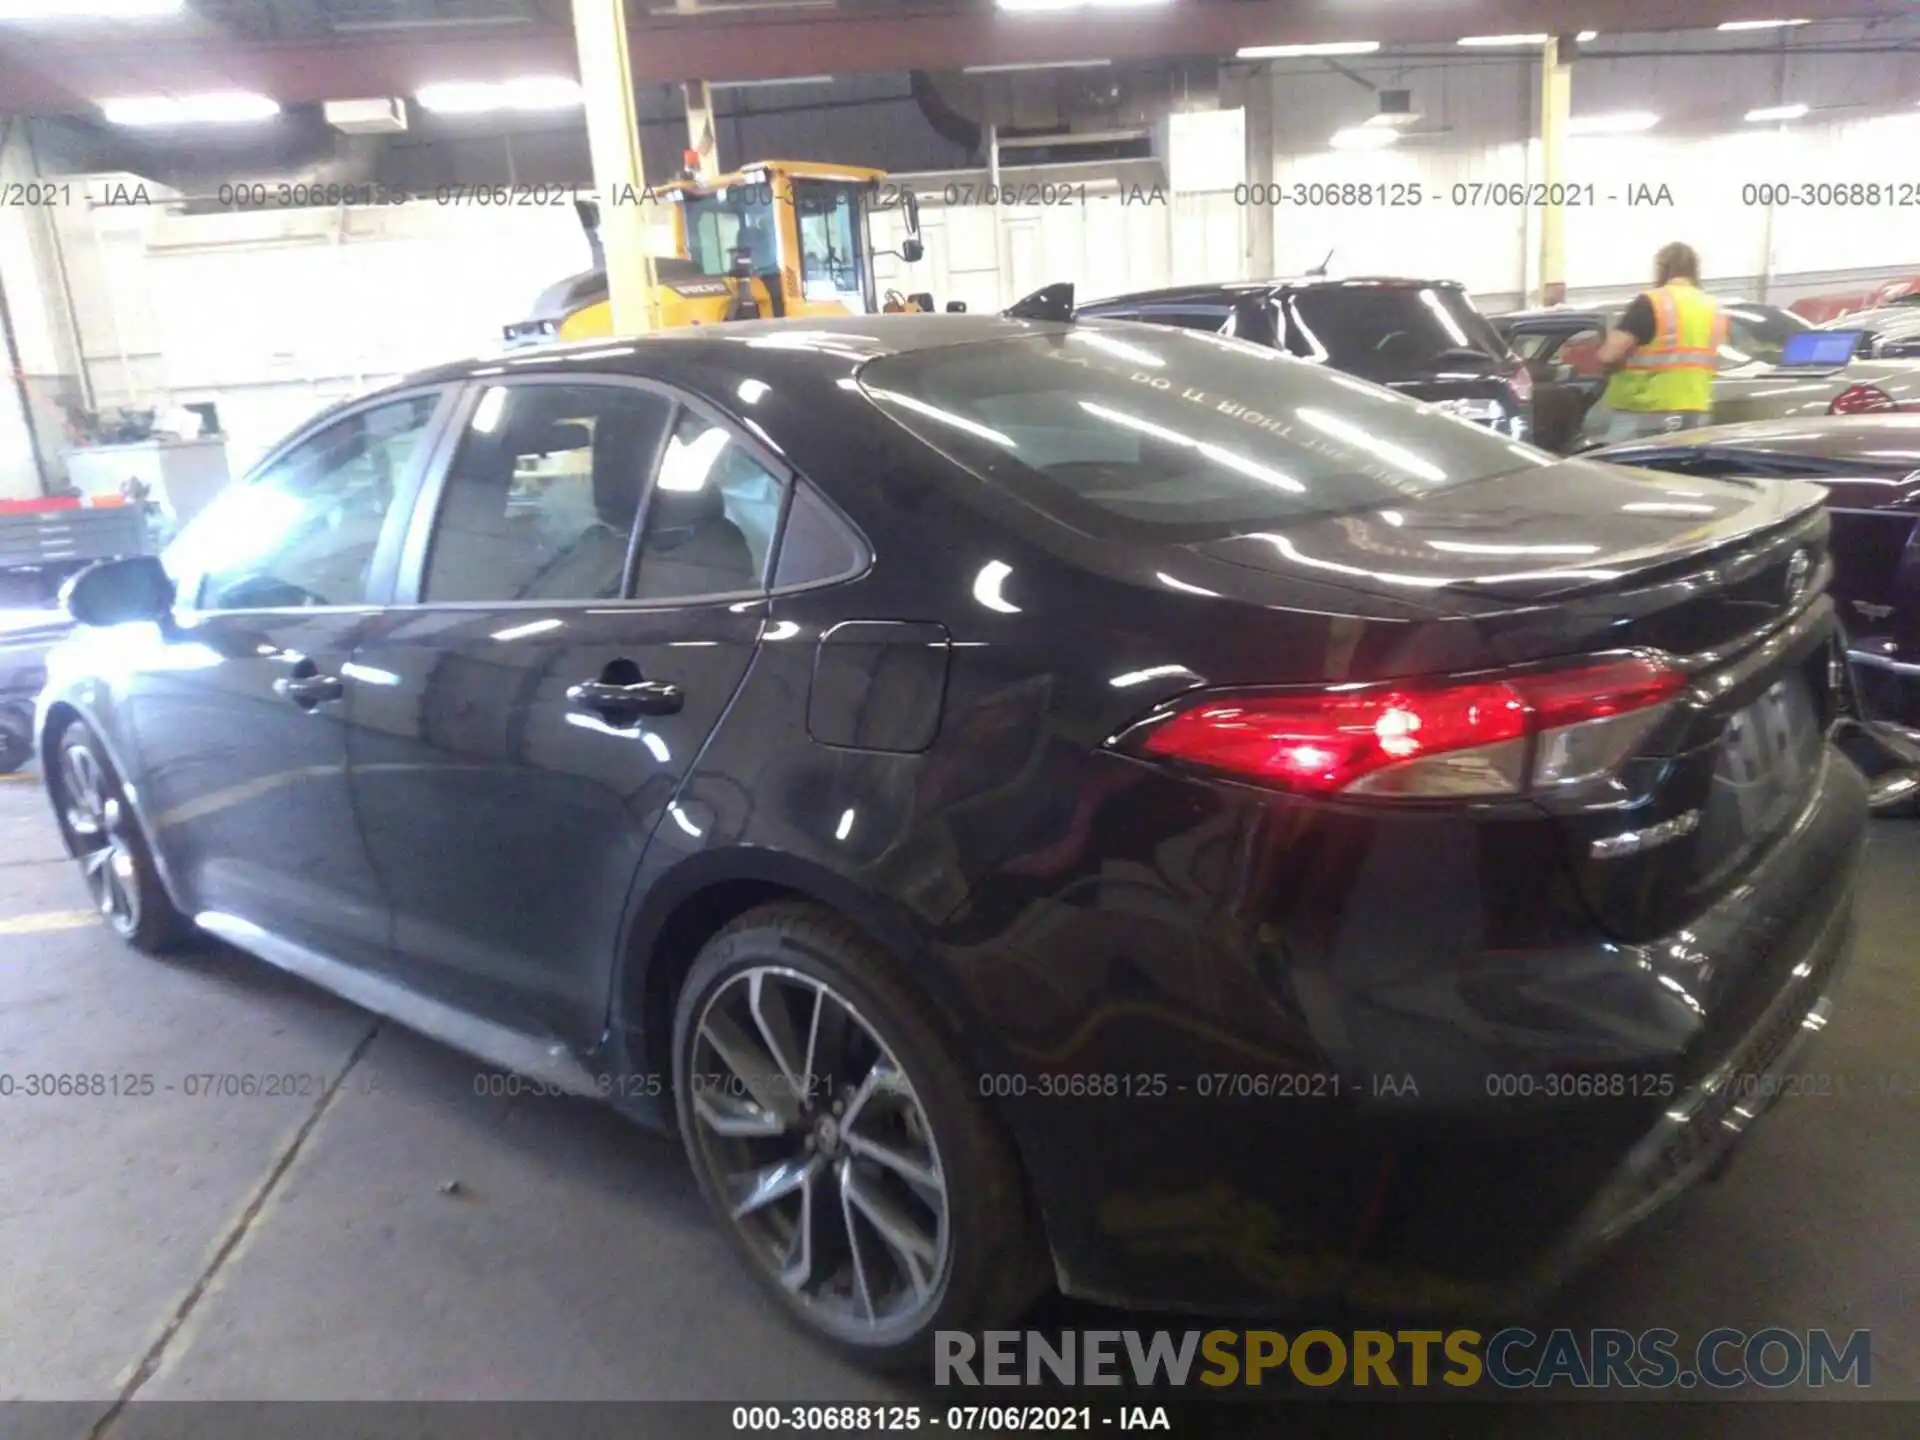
[[273, 316], [1703, 153]]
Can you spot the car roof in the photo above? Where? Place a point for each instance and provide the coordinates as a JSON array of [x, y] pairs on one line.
[[1572, 314], [828, 343], [1219, 290]]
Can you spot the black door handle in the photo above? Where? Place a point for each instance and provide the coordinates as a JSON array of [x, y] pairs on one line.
[[309, 691], [643, 697]]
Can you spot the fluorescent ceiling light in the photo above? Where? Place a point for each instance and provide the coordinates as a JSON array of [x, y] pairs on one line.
[[221, 107], [1586, 35], [543, 92], [526, 92], [1777, 112], [1364, 137], [88, 9], [1035, 65], [460, 99], [1325, 47], [1758, 24], [1040, 5], [782, 80], [1489, 41], [1625, 122]]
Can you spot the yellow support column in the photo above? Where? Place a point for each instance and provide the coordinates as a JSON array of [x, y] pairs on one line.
[[1556, 105], [627, 223]]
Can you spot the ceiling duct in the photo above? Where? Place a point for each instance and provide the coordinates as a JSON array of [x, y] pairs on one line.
[[298, 148], [1087, 98], [367, 117]]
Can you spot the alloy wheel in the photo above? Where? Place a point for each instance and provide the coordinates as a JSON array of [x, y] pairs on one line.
[[98, 821], [812, 1135]]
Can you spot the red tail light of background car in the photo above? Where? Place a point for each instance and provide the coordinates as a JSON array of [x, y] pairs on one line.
[[1862, 400]]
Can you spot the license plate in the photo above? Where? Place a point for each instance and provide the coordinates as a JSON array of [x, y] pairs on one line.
[[1767, 755]]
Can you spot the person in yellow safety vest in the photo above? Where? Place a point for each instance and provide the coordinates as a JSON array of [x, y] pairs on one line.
[[1664, 352]]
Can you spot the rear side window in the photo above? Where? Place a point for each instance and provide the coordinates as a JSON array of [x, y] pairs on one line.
[[1172, 435], [711, 518], [540, 499], [818, 545], [1392, 332]]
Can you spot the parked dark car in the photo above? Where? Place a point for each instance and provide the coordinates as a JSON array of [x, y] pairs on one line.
[[1423, 338], [25, 637], [1870, 468], [1032, 802]]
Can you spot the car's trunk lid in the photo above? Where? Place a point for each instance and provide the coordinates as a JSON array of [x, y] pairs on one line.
[[1725, 577]]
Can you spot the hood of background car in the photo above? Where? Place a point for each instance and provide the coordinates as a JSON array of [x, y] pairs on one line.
[[1762, 393]]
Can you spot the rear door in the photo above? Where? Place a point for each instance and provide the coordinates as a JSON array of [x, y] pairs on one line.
[[240, 712], [534, 706]]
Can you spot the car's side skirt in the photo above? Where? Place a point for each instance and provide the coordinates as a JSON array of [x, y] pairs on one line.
[[538, 1057]]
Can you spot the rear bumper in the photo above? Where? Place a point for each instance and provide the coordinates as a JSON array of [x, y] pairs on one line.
[[1426, 1142]]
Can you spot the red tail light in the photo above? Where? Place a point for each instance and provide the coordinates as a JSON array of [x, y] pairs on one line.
[[1861, 400], [1521, 384], [1481, 737]]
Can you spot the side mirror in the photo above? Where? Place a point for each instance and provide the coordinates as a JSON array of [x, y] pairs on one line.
[[115, 592], [911, 248]]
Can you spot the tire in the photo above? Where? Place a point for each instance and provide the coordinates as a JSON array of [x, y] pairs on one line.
[[16, 742], [941, 1229], [104, 835]]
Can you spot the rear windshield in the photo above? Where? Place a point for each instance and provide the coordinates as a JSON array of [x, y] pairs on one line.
[[1176, 435], [1393, 332]]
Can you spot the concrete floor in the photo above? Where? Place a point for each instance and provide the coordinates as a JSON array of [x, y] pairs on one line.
[[167, 1247]]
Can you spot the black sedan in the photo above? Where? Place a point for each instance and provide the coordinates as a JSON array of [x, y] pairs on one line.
[[1031, 802]]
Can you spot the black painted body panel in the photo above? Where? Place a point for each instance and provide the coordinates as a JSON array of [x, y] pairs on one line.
[[1247, 1045]]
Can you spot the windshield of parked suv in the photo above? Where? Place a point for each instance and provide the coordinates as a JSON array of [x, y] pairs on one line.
[[1174, 434], [1393, 332]]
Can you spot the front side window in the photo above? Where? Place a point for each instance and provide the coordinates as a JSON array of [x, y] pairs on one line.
[[833, 259], [1758, 333], [1180, 436], [740, 218], [540, 500], [303, 531], [711, 519]]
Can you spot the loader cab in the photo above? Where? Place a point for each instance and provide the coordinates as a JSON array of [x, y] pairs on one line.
[[805, 228]]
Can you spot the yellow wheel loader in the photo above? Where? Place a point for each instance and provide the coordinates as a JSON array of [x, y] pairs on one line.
[[776, 239]]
